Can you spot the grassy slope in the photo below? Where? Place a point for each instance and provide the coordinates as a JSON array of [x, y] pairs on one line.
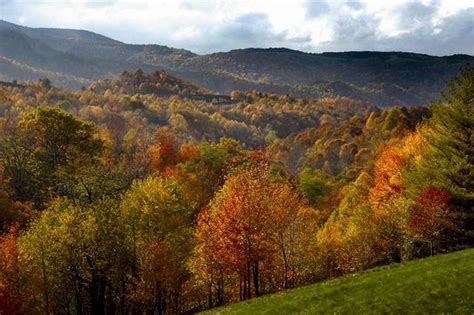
[[439, 284]]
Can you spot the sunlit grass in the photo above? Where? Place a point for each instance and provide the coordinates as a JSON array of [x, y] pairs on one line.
[[439, 284]]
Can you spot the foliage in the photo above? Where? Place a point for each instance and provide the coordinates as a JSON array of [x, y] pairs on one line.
[[123, 200], [451, 159], [315, 184], [259, 223], [383, 78], [13, 284]]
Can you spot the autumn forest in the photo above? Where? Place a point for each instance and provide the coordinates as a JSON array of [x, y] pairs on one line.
[[145, 194]]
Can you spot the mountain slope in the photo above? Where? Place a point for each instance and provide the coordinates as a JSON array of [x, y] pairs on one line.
[[88, 44], [383, 78], [35, 53], [158, 83], [80, 55], [439, 284]]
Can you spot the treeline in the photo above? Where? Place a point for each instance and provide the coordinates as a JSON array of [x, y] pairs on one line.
[[120, 203]]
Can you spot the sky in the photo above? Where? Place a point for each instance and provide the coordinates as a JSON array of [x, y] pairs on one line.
[[436, 27]]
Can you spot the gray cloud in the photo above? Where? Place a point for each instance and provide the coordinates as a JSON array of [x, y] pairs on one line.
[[355, 5], [454, 34], [10, 10], [248, 30], [315, 8], [416, 13], [350, 23], [352, 33], [202, 6], [252, 27], [100, 3]]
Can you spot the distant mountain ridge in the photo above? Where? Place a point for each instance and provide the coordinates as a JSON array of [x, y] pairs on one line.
[[75, 58]]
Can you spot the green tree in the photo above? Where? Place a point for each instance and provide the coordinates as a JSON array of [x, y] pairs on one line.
[[204, 175], [451, 136], [76, 258], [448, 163], [393, 119], [46, 153], [60, 137], [315, 184], [158, 230]]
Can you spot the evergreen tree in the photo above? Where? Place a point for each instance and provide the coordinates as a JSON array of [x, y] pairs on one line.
[[450, 162], [451, 137]]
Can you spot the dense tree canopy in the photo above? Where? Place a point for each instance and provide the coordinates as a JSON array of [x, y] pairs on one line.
[[116, 200]]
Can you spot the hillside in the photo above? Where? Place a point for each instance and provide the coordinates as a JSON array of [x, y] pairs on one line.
[[31, 53], [439, 284], [75, 58], [383, 78], [157, 83], [135, 192]]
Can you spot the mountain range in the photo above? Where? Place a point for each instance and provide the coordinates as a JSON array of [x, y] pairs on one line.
[[76, 58]]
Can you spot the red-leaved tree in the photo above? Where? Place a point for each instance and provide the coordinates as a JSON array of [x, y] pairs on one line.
[[430, 216]]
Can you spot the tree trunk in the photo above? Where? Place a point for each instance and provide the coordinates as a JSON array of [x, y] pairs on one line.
[[209, 298], [111, 303], [249, 287], [220, 291], [101, 295], [256, 278], [77, 292], [123, 299]]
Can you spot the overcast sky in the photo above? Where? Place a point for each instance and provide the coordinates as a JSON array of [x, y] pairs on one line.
[[441, 27]]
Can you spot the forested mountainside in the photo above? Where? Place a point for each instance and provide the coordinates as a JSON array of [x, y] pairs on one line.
[[75, 58], [158, 83], [138, 194]]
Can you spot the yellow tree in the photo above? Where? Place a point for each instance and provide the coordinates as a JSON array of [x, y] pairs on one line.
[[157, 228]]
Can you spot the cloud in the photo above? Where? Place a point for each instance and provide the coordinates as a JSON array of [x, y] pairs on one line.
[[353, 33], [317, 8], [415, 14], [99, 4], [448, 35], [252, 27], [247, 30], [452, 34], [355, 5], [435, 27]]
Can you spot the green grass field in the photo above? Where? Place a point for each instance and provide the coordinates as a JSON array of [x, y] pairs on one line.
[[439, 284]]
